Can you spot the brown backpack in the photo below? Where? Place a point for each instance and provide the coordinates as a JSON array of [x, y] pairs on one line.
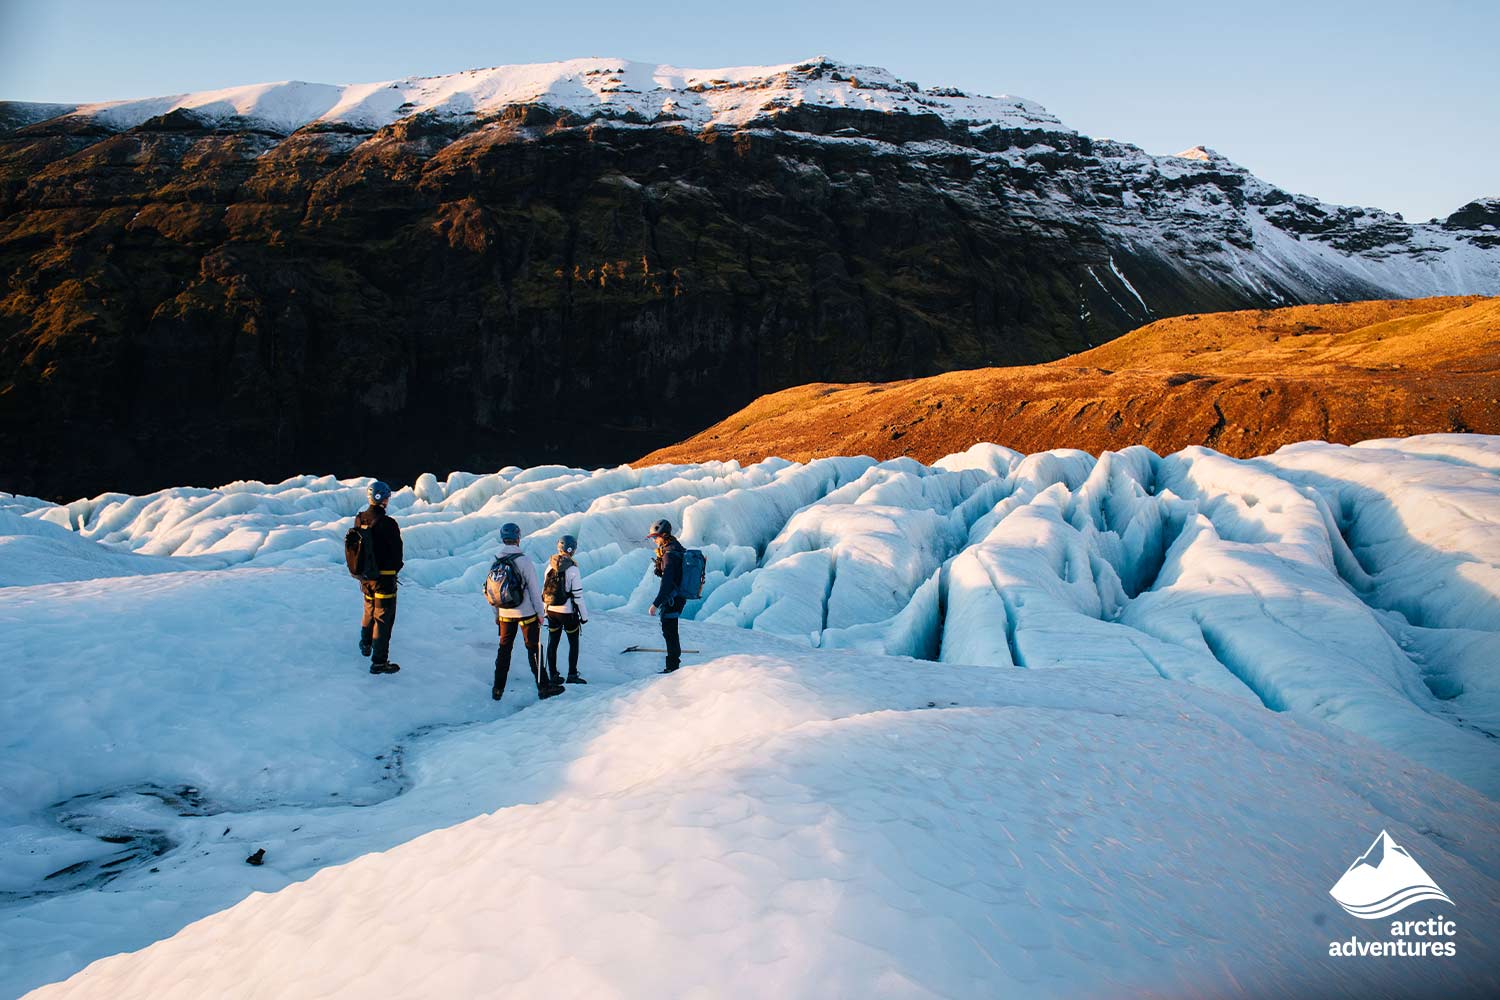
[[555, 586]]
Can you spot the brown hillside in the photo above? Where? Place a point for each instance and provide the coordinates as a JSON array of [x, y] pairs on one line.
[[1244, 383]]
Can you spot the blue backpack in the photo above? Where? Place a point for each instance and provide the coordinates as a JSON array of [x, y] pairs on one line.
[[694, 574], [504, 588]]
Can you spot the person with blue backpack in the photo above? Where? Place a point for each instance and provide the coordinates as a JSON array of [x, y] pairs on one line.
[[669, 600], [512, 589], [373, 552]]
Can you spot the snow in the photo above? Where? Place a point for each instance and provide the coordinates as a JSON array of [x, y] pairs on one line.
[[701, 98], [1115, 268], [1044, 725], [1198, 153]]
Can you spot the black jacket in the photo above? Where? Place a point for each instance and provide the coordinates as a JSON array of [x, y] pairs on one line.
[[386, 537], [669, 568]]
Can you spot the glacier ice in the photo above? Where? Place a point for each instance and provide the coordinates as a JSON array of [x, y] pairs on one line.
[[1300, 638], [1358, 586]]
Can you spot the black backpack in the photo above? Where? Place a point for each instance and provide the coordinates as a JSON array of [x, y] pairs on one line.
[[359, 553]]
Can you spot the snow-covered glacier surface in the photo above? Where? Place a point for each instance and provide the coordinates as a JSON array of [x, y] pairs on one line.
[[1005, 725]]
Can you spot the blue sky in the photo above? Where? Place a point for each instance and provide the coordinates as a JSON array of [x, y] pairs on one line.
[[1392, 104]]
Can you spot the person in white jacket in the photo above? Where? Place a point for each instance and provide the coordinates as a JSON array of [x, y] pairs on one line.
[[524, 618], [562, 589]]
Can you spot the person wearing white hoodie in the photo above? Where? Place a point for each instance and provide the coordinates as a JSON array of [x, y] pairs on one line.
[[562, 589], [524, 617]]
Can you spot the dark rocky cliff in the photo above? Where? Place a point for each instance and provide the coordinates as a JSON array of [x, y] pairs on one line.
[[190, 300]]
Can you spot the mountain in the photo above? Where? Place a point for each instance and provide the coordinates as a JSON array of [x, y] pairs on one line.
[[406, 275], [1243, 383]]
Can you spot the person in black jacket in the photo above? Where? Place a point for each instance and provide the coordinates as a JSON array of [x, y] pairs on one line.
[[380, 594], [669, 603]]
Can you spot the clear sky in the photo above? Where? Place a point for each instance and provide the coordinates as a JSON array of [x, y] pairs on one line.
[[1390, 103]]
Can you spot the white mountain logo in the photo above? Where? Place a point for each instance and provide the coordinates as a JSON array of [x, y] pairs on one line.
[[1385, 880]]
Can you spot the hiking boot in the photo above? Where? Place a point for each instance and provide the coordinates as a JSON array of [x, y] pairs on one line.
[[496, 691], [384, 668], [365, 645], [670, 668], [543, 693], [556, 679], [573, 678]]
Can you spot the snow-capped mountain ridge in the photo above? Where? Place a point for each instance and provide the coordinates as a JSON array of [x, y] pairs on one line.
[[1007, 132], [592, 87]]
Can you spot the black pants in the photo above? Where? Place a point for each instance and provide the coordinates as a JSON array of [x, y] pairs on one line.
[[557, 624], [380, 617], [670, 616], [530, 630]]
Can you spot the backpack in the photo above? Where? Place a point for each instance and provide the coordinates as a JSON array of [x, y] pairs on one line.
[[504, 587], [555, 584], [694, 575], [359, 553]]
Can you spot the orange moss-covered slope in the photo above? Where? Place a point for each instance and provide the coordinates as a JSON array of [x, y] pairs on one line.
[[1243, 382]]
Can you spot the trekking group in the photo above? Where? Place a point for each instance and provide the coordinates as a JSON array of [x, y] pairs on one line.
[[374, 554]]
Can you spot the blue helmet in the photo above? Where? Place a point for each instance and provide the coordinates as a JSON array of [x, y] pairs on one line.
[[567, 545], [510, 531], [379, 492]]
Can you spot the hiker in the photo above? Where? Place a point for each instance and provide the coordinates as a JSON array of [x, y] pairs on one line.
[[379, 533], [669, 602], [562, 591], [512, 589]]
